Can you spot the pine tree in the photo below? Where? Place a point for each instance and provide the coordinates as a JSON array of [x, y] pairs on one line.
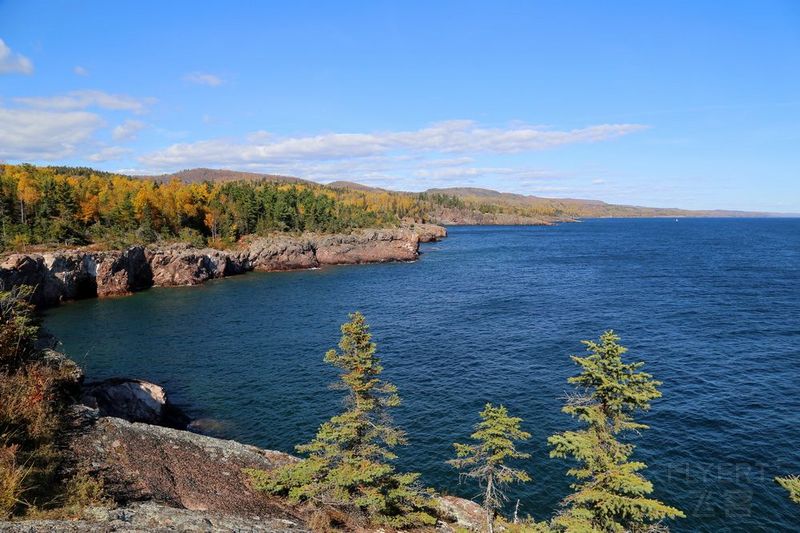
[[791, 484], [610, 492], [349, 462], [486, 461]]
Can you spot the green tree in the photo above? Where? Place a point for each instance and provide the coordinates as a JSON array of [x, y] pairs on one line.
[[610, 493], [349, 463], [485, 461], [791, 484]]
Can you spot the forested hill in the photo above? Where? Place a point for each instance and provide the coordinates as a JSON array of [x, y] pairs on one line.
[[484, 200], [195, 175], [577, 208], [65, 206]]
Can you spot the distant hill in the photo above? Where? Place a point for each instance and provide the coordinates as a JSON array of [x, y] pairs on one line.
[[352, 186], [212, 174], [472, 205], [577, 208]]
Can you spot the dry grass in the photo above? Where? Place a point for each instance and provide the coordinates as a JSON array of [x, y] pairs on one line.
[[30, 420], [12, 476], [33, 394]]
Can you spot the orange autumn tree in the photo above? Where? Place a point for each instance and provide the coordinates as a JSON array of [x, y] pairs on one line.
[[57, 205]]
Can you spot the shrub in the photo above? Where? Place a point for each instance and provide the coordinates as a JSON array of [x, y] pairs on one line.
[[18, 328], [33, 393], [192, 237]]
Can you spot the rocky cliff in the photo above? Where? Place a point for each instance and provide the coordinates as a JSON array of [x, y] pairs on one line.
[[473, 217], [74, 274]]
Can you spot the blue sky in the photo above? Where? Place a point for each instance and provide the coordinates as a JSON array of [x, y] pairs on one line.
[[690, 104]]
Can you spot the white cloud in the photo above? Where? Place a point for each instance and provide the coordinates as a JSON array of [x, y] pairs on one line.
[[85, 99], [33, 134], [204, 78], [598, 181], [110, 153], [127, 130], [12, 62], [457, 172], [466, 136], [137, 171], [452, 137], [80, 71]]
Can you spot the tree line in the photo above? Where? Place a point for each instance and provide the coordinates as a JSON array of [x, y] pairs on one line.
[[72, 206], [349, 477], [78, 206]]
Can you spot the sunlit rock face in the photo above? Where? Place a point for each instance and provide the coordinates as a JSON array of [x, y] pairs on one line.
[[133, 400], [75, 274]]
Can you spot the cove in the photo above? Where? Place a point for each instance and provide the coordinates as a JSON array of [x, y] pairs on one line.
[[492, 314]]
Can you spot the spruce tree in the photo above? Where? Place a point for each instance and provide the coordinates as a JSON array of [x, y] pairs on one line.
[[791, 484], [610, 494], [486, 460], [349, 463]]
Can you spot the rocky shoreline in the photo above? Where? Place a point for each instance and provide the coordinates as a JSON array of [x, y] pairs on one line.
[[156, 474], [75, 274], [160, 478]]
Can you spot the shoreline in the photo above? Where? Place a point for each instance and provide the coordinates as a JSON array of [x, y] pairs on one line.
[[66, 275]]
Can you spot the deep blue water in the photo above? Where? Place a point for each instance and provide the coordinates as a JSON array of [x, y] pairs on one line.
[[492, 314]]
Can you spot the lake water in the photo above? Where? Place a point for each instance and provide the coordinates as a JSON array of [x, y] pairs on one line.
[[492, 314]]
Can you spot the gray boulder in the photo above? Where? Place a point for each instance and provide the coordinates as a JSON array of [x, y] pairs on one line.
[[133, 400]]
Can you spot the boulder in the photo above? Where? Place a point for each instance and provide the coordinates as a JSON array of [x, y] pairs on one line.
[[464, 513], [133, 400]]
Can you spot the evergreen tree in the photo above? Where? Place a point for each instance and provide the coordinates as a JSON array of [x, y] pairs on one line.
[[791, 484], [349, 462], [610, 493], [486, 461]]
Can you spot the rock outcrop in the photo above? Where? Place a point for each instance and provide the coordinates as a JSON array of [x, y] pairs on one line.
[[428, 232], [74, 274], [279, 253], [147, 470], [117, 273], [463, 513], [135, 401], [372, 246], [146, 463], [153, 517], [164, 479], [70, 274]]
